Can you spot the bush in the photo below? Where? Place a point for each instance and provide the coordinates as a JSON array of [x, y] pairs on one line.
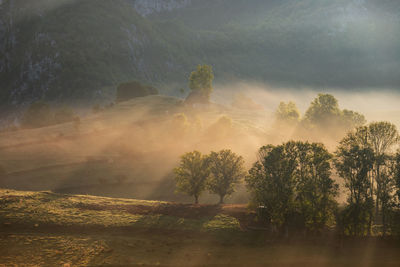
[[133, 89]]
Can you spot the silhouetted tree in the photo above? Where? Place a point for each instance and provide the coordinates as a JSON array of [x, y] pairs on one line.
[[292, 181], [192, 174], [316, 190], [271, 182], [226, 171], [354, 162], [382, 136]]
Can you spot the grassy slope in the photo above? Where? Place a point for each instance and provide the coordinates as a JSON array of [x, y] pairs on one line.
[[50, 209], [81, 230], [58, 157]]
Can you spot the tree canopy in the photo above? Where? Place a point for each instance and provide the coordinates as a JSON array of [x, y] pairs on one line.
[[287, 112], [226, 169], [200, 82], [292, 181], [192, 174]]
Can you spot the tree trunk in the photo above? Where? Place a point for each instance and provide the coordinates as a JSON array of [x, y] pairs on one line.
[[196, 199], [221, 199], [378, 189]]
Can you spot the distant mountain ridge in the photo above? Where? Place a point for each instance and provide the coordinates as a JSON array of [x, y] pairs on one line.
[[69, 50]]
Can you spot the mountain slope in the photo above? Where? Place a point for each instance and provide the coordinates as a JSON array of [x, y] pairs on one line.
[[81, 49]]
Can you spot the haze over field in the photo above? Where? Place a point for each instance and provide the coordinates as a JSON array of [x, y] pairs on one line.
[[199, 133], [376, 105]]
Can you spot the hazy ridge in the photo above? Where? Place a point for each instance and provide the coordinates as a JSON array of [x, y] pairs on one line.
[[68, 50]]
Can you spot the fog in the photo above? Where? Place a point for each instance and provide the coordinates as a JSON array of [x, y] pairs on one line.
[[130, 149], [376, 104]]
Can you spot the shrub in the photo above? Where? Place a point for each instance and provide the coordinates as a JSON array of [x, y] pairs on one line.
[[133, 89]]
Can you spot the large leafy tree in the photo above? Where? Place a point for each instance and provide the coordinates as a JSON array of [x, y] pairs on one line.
[[292, 181], [396, 175], [227, 169], [316, 190], [354, 163], [382, 136], [323, 109], [271, 182], [192, 174]]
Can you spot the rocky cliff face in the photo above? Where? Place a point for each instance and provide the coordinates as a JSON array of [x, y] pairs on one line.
[[28, 62], [33, 58]]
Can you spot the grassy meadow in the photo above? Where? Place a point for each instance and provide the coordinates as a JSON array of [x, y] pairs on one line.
[[103, 194], [49, 229]]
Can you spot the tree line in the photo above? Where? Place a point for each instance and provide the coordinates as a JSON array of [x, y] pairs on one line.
[[293, 183]]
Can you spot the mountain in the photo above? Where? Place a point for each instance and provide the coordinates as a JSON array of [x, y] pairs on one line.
[[79, 50]]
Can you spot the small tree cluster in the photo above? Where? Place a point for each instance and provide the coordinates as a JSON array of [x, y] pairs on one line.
[[292, 182], [218, 172], [323, 114]]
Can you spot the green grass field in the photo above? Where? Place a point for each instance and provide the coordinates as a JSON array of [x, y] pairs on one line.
[[49, 229]]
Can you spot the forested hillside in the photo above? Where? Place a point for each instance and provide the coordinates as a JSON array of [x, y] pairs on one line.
[[82, 49]]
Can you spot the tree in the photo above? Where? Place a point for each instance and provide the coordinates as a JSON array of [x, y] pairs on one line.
[[382, 136], [354, 162], [322, 110], [3, 174], [192, 174], [226, 171], [200, 83], [316, 190], [351, 119], [37, 115], [292, 181], [324, 113], [287, 113], [133, 89], [271, 182], [394, 221], [396, 176]]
